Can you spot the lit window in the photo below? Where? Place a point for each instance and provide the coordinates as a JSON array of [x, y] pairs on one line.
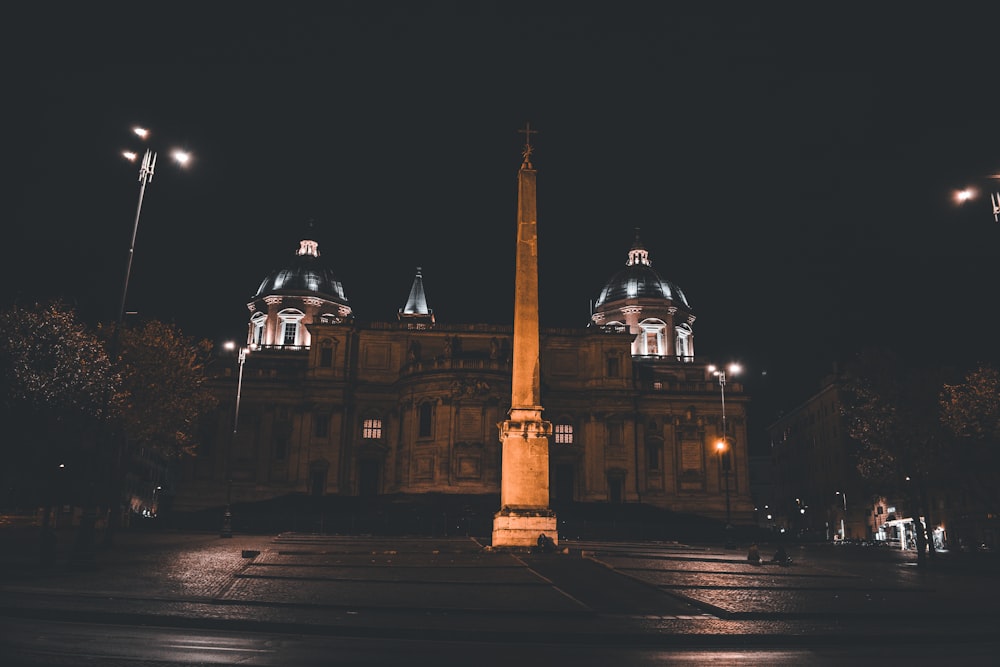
[[651, 342], [291, 328], [258, 329], [371, 429], [564, 434]]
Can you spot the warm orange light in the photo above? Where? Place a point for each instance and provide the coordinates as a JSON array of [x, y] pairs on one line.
[[720, 445], [141, 132], [129, 155], [181, 156]]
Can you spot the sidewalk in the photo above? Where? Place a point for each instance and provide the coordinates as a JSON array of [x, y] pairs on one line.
[[662, 594]]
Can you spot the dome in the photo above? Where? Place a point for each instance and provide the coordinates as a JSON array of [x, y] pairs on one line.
[[639, 280], [305, 275]]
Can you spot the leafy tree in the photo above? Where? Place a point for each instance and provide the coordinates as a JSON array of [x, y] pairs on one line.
[[164, 396], [58, 386], [971, 411], [52, 364]]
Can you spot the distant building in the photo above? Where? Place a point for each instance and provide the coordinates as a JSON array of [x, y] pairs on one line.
[[332, 405], [816, 487]]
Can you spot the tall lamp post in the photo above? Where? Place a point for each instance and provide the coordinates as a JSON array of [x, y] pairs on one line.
[[227, 518], [146, 169], [722, 445]]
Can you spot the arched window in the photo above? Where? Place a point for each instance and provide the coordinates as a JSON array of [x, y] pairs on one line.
[[652, 342], [290, 330], [683, 342], [257, 332]]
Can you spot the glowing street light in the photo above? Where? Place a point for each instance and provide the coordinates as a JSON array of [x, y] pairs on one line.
[[723, 443], [146, 169], [227, 518], [968, 194]]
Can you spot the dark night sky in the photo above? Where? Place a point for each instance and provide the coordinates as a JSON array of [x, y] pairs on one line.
[[790, 165]]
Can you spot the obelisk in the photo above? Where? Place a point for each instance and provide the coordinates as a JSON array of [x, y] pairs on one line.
[[524, 469]]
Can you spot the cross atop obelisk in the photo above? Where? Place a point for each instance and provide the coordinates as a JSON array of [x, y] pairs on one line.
[[526, 152], [524, 475]]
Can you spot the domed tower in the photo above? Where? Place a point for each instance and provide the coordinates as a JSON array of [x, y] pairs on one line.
[[638, 299], [303, 292]]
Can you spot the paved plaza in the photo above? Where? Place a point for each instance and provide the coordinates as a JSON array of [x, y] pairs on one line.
[[608, 593]]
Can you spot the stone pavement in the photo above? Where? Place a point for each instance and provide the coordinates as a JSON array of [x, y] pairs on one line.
[[657, 594]]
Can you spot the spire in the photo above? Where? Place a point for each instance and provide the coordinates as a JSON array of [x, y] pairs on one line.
[[416, 311]]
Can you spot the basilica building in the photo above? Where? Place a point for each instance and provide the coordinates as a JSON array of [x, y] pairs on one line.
[[318, 403]]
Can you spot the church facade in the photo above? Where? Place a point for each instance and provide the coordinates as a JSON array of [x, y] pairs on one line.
[[322, 404]]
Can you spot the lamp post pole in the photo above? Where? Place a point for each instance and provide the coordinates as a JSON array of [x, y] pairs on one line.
[[723, 444], [843, 519], [227, 518], [145, 176], [146, 169]]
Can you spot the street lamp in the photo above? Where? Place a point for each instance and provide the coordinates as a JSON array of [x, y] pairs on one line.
[[723, 444], [967, 194], [227, 518], [843, 531], [146, 169]]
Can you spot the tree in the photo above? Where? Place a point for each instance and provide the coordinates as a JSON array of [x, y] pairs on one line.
[[58, 386], [971, 411], [164, 397], [892, 411]]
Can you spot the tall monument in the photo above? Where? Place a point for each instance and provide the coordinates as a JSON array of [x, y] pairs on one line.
[[524, 470]]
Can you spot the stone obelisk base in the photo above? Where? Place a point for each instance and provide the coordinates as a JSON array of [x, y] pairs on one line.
[[521, 527]]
